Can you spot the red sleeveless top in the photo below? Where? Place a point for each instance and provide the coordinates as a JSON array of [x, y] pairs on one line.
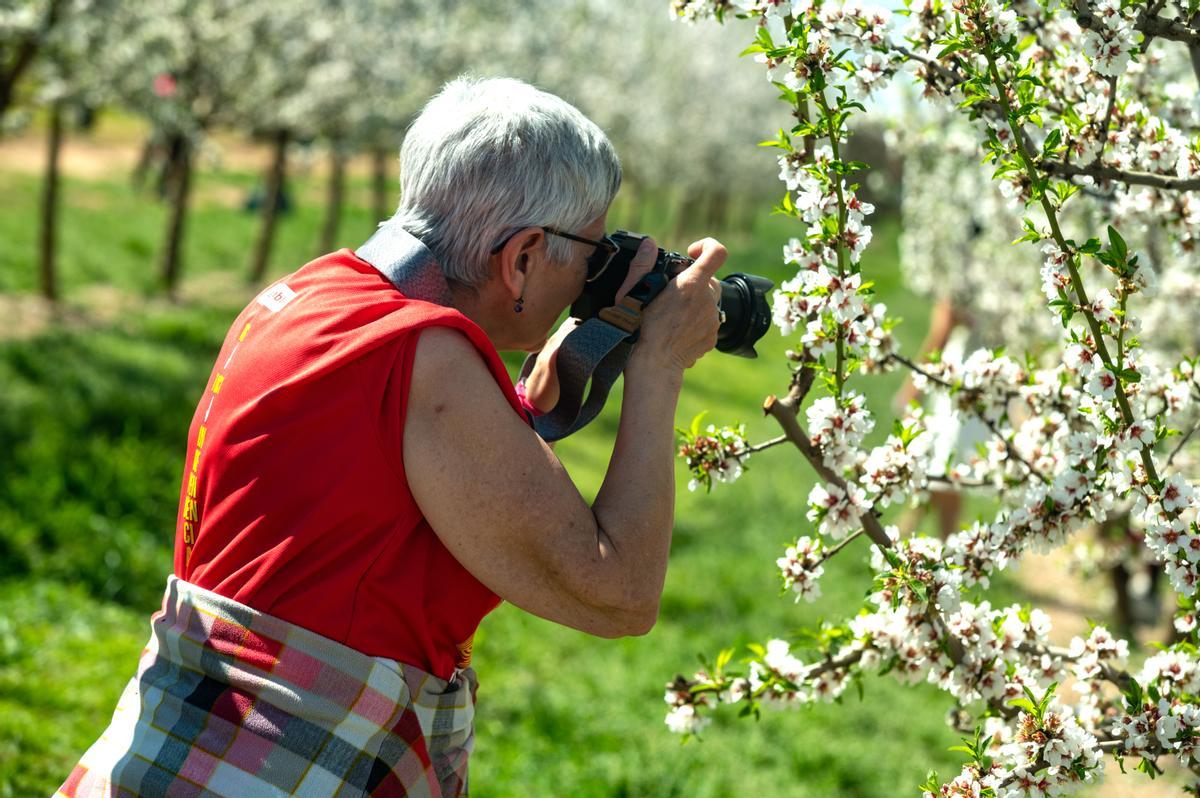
[[294, 499]]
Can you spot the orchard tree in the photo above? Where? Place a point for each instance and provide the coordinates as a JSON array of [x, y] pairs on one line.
[[693, 151], [1085, 115], [65, 83], [25, 26], [293, 65], [184, 65], [386, 59]]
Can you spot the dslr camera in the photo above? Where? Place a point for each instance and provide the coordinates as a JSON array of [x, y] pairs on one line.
[[743, 296]]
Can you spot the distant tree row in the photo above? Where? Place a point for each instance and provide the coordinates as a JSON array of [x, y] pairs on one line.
[[350, 77]]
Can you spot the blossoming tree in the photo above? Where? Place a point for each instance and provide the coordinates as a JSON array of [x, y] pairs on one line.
[[1086, 114]]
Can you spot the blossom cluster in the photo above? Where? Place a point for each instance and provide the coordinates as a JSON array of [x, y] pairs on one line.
[[801, 568], [716, 454], [1048, 755]]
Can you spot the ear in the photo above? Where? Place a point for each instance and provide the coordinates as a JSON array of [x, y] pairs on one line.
[[512, 261]]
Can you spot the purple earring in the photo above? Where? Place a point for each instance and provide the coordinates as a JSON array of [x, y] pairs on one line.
[[520, 306]]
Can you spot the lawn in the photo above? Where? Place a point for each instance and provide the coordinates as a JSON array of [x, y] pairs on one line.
[[93, 419]]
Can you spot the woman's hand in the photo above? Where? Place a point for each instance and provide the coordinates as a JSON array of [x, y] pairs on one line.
[[541, 386], [681, 324]]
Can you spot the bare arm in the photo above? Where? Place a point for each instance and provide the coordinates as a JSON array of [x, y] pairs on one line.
[[504, 506]]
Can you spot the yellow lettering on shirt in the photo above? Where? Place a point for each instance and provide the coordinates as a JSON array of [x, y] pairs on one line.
[[465, 651], [245, 330], [217, 383], [200, 436], [191, 489], [190, 511]]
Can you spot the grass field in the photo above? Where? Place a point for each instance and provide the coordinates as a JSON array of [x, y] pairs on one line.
[[93, 419]]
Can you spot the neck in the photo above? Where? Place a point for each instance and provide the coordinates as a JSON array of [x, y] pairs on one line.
[[486, 310]]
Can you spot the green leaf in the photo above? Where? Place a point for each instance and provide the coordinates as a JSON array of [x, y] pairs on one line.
[[1052, 142], [1118, 244], [1025, 704], [951, 48]]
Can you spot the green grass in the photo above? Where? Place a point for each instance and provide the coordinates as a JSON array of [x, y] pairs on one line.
[[93, 418]]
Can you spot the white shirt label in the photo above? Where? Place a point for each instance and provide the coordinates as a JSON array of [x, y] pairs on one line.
[[275, 297]]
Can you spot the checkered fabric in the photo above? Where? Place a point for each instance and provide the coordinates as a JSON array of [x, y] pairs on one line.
[[229, 701]]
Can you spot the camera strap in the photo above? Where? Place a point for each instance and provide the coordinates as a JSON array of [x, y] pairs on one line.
[[595, 350]]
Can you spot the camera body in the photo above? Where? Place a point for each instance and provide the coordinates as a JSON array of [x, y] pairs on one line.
[[743, 296]]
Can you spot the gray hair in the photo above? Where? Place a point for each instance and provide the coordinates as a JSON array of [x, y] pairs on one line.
[[486, 158]]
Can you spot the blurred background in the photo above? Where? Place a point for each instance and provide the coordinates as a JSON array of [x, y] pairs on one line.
[[160, 163]]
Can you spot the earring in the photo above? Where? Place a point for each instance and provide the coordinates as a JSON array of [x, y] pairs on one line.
[[520, 306]]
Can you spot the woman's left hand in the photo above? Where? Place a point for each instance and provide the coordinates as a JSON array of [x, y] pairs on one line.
[[541, 386]]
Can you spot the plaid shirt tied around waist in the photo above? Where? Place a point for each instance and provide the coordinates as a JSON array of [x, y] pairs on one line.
[[229, 701]]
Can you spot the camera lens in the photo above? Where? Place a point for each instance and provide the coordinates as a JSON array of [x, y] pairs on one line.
[[747, 314]]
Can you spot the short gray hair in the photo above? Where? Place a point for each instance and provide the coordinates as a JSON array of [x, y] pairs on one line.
[[486, 158]]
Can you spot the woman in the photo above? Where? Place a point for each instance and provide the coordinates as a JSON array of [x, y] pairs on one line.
[[362, 484]]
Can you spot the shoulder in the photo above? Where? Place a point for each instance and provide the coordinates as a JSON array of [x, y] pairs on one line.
[[443, 353], [444, 344], [449, 372]]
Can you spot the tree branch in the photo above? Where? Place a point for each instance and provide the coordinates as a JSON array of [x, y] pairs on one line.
[[1148, 23], [1129, 177], [783, 412]]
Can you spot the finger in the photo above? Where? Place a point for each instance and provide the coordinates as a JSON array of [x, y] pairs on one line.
[[709, 255], [642, 263]]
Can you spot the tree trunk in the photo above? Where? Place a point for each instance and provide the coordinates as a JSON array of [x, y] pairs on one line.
[[25, 51], [686, 217], [333, 200], [179, 185], [381, 200], [270, 207], [49, 209], [718, 213], [1123, 616], [626, 215], [145, 158]]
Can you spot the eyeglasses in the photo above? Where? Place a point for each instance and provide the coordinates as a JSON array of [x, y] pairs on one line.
[[605, 250]]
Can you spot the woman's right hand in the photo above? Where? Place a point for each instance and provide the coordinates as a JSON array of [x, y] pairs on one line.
[[681, 323]]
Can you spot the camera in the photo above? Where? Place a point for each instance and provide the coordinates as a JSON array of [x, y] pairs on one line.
[[743, 296]]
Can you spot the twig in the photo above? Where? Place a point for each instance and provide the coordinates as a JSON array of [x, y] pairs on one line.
[[1182, 441], [1012, 450], [759, 447], [958, 483], [1102, 132], [902, 360], [829, 553]]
